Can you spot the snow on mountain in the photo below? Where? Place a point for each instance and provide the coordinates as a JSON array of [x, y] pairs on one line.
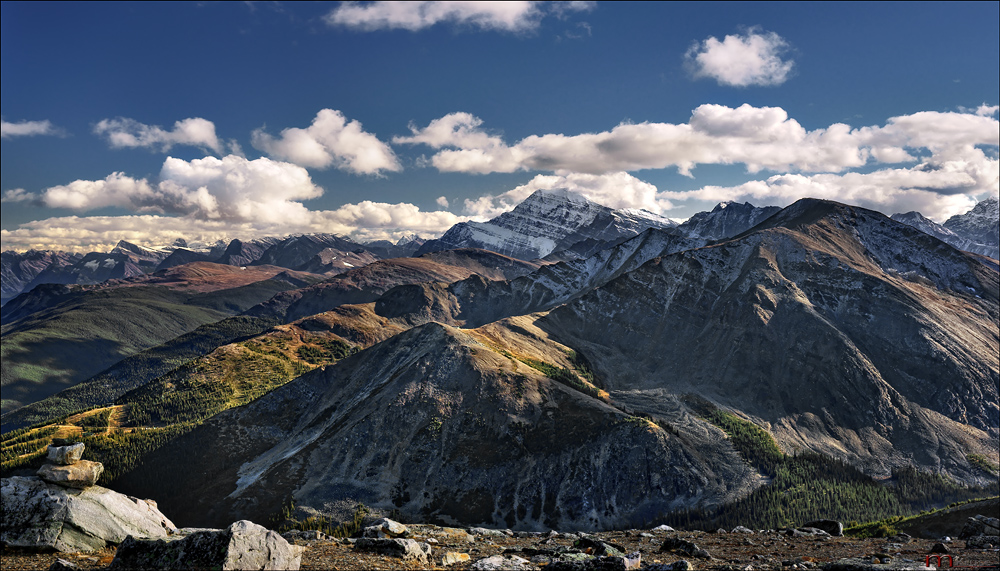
[[546, 222], [980, 225], [726, 220]]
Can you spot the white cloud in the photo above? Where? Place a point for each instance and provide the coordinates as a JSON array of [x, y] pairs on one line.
[[414, 16], [26, 129], [442, 201], [330, 141], [741, 60], [364, 221], [985, 110], [757, 137], [129, 133], [212, 199], [18, 195], [614, 190], [232, 188], [937, 190]]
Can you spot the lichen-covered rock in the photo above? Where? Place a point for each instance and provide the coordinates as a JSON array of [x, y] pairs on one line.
[[41, 515], [405, 549], [65, 455], [80, 474], [453, 557], [243, 545]]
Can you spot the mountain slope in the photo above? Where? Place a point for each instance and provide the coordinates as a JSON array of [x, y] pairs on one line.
[[20, 269], [47, 348], [842, 331], [442, 428]]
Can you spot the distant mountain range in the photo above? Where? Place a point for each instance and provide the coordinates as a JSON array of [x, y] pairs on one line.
[[552, 225], [619, 368], [316, 253]]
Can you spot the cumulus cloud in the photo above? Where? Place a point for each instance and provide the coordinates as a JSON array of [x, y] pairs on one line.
[[211, 199], [938, 190], [442, 201], [330, 140], [414, 16], [26, 129], [363, 221], [18, 195], [614, 190], [232, 188], [757, 137], [124, 133], [755, 58]]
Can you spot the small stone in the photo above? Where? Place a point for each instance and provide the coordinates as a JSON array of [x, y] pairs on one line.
[[82, 474], [662, 528], [502, 563], [833, 527], [741, 529], [63, 565], [452, 557], [385, 528], [405, 549], [65, 455], [939, 548]]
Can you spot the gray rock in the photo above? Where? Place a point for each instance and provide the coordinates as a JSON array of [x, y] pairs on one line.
[[243, 545], [683, 547], [487, 532], [741, 529], [385, 528], [41, 515], [63, 565], [681, 565], [833, 527], [81, 474], [663, 528], [405, 549], [65, 455], [980, 525], [502, 563], [983, 542]]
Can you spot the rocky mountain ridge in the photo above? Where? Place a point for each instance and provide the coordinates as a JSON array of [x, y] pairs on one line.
[[548, 221]]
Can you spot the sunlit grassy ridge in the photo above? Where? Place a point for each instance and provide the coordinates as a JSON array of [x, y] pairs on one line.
[[144, 419]]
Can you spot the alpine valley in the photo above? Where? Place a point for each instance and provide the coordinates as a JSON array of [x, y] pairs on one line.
[[563, 366]]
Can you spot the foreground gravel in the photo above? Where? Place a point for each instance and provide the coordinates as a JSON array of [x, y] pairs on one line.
[[730, 551]]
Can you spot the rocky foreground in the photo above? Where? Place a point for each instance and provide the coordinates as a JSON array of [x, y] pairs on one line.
[[433, 547]]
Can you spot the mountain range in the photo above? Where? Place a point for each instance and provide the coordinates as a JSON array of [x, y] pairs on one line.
[[593, 380]]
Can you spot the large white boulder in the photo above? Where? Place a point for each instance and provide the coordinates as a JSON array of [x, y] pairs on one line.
[[42, 515], [243, 545]]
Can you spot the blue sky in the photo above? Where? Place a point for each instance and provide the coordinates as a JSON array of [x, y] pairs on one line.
[[152, 121]]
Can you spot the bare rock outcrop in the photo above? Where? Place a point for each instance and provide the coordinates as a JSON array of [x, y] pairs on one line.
[[242, 545], [40, 514]]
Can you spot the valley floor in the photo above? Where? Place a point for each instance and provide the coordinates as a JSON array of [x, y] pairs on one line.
[[730, 551]]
